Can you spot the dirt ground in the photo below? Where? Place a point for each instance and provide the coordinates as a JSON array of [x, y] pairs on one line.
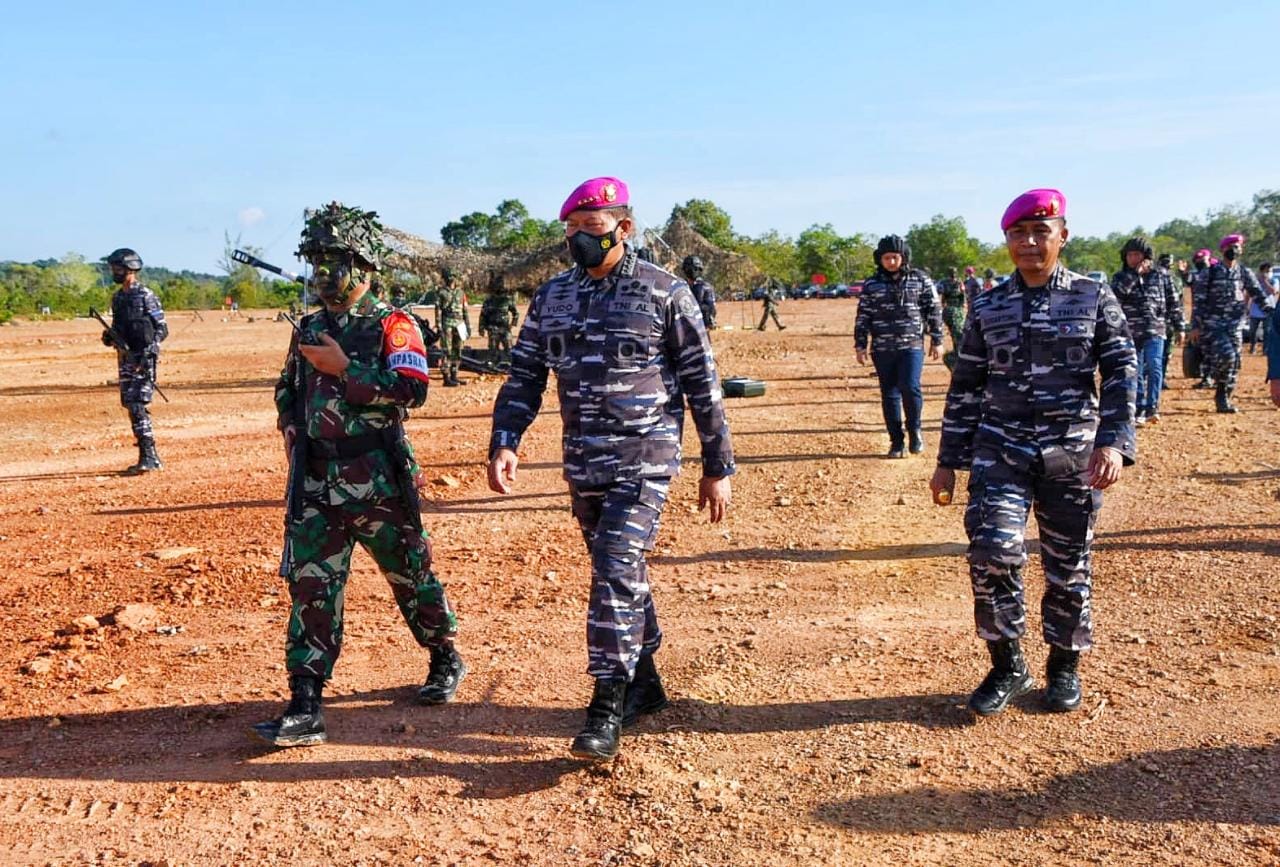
[[819, 644]]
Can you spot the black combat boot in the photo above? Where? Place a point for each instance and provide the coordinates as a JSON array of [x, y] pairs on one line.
[[896, 451], [599, 736], [1222, 400], [1008, 678], [446, 672], [450, 377], [150, 460], [302, 723], [1063, 693], [136, 468], [917, 442], [645, 695]]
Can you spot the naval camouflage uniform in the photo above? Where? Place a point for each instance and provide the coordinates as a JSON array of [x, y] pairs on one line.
[[358, 487], [705, 295], [1023, 415], [894, 311], [1221, 296], [1150, 308], [628, 351], [137, 315], [497, 317]]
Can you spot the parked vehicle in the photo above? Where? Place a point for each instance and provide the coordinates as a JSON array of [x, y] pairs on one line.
[[806, 291], [855, 289], [1098, 277]]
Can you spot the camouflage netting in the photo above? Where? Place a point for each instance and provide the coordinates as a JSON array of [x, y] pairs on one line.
[[475, 270]]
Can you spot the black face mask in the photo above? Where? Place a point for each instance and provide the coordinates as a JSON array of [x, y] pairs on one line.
[[590, 250], [1231, 253], [118, 275]]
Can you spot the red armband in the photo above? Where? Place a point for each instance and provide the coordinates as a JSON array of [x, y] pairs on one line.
[[403, 347]]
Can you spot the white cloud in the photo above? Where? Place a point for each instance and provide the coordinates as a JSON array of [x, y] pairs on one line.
[[251, 216]]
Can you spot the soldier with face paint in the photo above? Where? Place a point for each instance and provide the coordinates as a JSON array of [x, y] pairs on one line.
[[353, 371], [628, 347], [1224, 290], [1025, 416], [138, 318], [1190, 277], [1149, 304]]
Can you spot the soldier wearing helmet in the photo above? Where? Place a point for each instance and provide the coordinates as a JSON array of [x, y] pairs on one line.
[[1149, 304], [895, 308], [138, 319], [353, 372], [703, 292]]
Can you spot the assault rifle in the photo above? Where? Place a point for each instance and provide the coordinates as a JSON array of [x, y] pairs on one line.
[[297, 454], [118, 339]]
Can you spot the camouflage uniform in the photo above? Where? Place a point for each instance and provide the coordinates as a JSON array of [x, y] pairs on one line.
[[954, 303], [628, 350], [1194, 279], [497, 317], [705, 295], [772, 292], [1150, 307], [1023, 415], [357, 488], [137, 315], [1175, 324], [1221, 297], [893, 313], [972, 289], [451, 311]]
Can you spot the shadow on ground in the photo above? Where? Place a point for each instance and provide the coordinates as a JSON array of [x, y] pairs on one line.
[[1233, 784]]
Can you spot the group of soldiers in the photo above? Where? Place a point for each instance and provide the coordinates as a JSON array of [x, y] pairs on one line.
[[628, 343]]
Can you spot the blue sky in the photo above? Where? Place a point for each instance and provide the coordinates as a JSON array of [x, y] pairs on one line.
[[160, 126]]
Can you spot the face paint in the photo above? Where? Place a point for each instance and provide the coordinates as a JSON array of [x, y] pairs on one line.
[[1231, 253], [589, 250], [117, 274], [334, 277]]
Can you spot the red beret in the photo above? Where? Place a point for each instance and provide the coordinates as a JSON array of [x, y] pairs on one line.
[[1042, 204], [594, 195]]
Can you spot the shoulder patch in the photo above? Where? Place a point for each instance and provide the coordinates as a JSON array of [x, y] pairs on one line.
[[1113, 314], [403, 347]]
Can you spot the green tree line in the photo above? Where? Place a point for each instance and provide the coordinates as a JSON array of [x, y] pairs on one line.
[[944, 242]]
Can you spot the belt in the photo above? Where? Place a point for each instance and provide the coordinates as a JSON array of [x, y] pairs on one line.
[[351, 447]]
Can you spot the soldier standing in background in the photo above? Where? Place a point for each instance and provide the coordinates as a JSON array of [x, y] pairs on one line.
[[1173, 332], [954, 302], [1023, 415], [703, 292], [136, 315], [497, 317], [895, 308], [1200, 263], [972, 288], [353, 371], [1149, 306], [773, 291], [1224, 290], [454, 324], [626, 340]]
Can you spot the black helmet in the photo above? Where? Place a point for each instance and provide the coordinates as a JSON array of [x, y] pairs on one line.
[[692, 266], [125, 258], [1136, 244], [952, 273], [893, 244], [1165, 260], [990, 274]]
